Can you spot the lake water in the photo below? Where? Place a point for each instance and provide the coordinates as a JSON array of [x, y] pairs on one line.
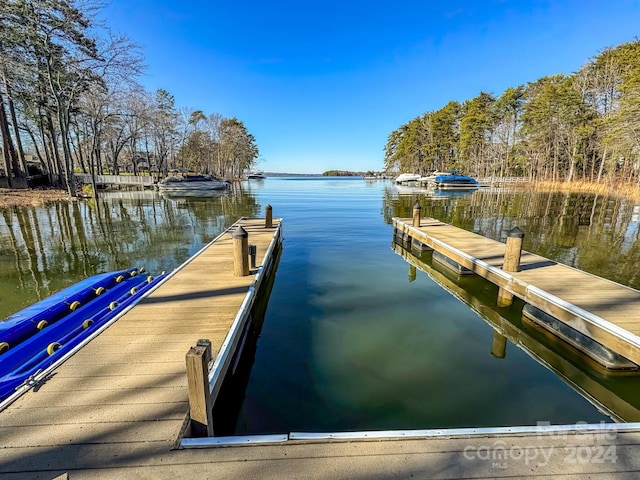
[[354, 338]]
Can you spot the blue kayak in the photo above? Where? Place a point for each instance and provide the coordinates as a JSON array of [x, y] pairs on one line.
[[40, 350], [29, 321]]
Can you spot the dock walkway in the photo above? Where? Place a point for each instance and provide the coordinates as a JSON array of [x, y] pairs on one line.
[[124, 396], [139, 180], [604, 310]]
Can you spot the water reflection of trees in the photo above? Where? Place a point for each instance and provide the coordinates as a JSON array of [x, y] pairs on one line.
[[48, 248], [587, 231]]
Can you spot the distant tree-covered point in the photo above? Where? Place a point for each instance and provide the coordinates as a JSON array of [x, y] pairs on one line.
[[584, 126], [341, 173]]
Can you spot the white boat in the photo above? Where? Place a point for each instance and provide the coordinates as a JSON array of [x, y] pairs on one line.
[[192, 183], [256, 175], [455, 182], [406, 177], [430, 179]]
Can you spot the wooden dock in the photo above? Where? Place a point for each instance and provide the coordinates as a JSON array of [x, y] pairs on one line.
[[601, 309], [115, 410], [145, 181], [124, 396]]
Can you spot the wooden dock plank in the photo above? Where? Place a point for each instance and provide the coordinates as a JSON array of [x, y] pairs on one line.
[[69, 384], [111, 369], [57, 397], [93, 417], [67, 434]]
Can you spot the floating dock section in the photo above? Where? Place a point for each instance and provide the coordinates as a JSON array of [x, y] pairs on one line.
[[602, 310], [123, 399]]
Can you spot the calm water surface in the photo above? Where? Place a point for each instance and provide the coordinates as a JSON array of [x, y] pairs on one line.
[[354, 338]]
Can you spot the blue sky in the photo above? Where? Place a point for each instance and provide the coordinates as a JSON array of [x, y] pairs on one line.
[[322, 84]]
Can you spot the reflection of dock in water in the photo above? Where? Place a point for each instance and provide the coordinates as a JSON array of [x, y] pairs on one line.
[[615, 394]]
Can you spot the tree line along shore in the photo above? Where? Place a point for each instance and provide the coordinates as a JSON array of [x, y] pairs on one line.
[[70, 101], [37, 197], [560, 128]]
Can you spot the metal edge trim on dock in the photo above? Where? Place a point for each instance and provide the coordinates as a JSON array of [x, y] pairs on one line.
[[206, 442], [303, 437], [221, 362], [597, 428], [268, 255], [595, 320]]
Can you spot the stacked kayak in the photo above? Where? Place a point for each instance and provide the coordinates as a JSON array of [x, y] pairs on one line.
[[35, 338]]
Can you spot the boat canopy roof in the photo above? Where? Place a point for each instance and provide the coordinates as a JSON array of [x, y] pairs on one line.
[[455, 179]]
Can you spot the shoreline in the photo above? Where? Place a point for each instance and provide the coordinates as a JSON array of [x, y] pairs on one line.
[[12, 197], [617, 190]]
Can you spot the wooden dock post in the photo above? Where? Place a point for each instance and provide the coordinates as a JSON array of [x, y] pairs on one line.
[[512, 254], [513, 251], [268, 217], [200, 405], [499, 345], [204, 342], [240, 252], [412, 273], [416, 214]]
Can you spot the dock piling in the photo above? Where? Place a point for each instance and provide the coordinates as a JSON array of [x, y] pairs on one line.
[[200, 405], [412, 273], [240, 252], [512, 254], [416, 214], [498, 345], [204, 342], [513, 251], [268, 217]]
